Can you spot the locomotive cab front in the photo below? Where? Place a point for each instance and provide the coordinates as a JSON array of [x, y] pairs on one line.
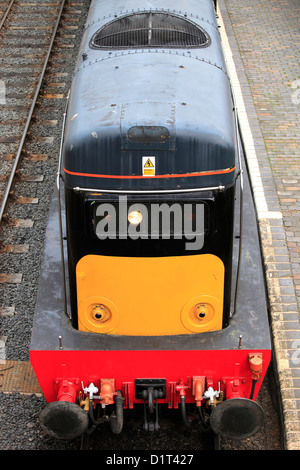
[[141, 134], [157, 264]]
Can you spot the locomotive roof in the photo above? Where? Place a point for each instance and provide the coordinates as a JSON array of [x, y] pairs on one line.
[[172, 103]]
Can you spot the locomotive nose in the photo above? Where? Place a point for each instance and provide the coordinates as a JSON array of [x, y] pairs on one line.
[[237, 418], [64, 420]]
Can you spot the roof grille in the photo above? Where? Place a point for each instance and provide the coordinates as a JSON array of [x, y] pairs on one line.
[[143, 30]]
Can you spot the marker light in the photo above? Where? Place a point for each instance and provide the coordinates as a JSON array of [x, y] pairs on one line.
[[135, 217]]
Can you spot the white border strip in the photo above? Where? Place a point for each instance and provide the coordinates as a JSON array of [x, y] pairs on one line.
[[259, 194]]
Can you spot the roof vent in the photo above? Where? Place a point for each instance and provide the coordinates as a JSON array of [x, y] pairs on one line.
[[143, 30]]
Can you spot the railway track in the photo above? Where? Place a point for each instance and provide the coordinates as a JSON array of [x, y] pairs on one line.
[[38, 48], [32, 53], [5, 9]]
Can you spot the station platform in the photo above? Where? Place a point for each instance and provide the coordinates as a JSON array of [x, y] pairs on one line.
[[262, 49]]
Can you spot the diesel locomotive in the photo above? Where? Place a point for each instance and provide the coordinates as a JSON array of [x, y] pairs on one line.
[[147, 294]]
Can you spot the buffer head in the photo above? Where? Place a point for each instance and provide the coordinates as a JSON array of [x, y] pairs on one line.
[[237, 418], [64, 420]]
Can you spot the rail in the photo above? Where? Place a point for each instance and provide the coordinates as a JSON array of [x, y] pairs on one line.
[[28, 121], [6, 13]]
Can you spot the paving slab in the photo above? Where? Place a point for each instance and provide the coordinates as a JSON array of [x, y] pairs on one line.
[[261, 39]]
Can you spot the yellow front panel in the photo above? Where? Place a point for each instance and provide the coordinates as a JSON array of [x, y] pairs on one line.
[[150, 296]]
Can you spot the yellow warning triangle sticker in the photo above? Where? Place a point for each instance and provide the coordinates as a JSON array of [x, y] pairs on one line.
[[149, 164]]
